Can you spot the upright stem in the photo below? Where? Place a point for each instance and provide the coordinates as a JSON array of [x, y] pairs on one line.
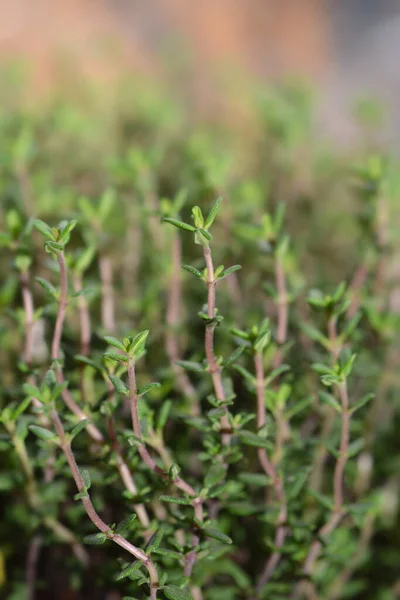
[[92, 514], [29, 317], [173, 320], [270, 470], [55, 349], [178, 482], [338, 477], [107, 294], [213, 366]]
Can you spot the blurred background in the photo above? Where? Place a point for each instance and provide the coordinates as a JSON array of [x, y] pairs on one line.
[[346, 47]]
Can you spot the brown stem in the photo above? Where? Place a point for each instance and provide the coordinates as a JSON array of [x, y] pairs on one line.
[[55, 350], [173, 321], [32, 559], [178, 482], [213, 366], [29, 317], [107, 294], [91, 512], [338, 477], [276, 480], [84, 317], [122, 466]]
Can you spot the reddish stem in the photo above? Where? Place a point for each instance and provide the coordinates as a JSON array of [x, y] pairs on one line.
[[213, 366]]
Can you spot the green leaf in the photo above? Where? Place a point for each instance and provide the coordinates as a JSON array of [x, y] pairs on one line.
[[66, 231], [198, 217], [41, 432], [78, 428], [112, 341], [172, 592], [155, 540], [168, 553], [193, 271], [216, 535], [255, 479], [234, 356], [215, 474], [119, 385], [124, 526], [86, 478], [298, 407], [252, 439], [262, 341], [84, 259], [322, 369], [43, 228], [176, 500], [216, 413], [190, 366], [53, 247], [212, 214], [179, 224], [47, 286], [365, 400], [87, 361], [95, 539], [163, 414], [314, 333], [229, 271], [325, 501], [115, 357], [129, 570], [355, 447], [31, 390], [245, 373], [330, 400], [137, 345], [150, 386]]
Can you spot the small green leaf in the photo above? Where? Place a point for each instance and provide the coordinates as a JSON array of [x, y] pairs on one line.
[[365, 400], [172, 592], [95, 539], [66, 231], [245, 373], [215, 474], [217, 535], [116, 357], [213, 213], [197, 217], [325, 501], [179, 224], [41, 432], [47, 286], [137, 345], [84, 259], [112, 341], [78, 428], [262, 341], [124, 526], [155, 540], [53, 247], [163, 414], [234, 356], [145, 389], [43, 228], [119, 385], [87, 361], [86, 479], [252, 439], [190, 366], [31, 390], [176, 500], [168, 553], [257, 479], [129, 570], [193, 271], [216, 413], [314, 333], [229, 271], [330, 400]]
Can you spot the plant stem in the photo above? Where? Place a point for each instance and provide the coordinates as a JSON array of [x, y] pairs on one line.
[[213, 366], [32, 559], [91, 512], [178, 482], [84, 317], [107, 294], [338, 477], [55, 350], [173, 320], [270, 470], [29, 317]]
